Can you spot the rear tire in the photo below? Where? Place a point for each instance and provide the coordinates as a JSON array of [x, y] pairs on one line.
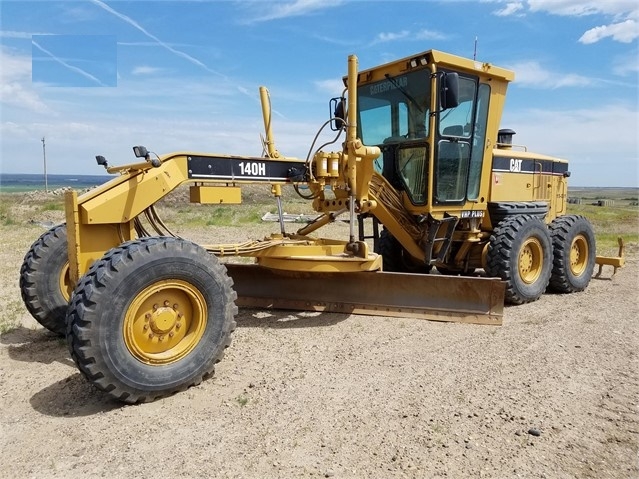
[[45, 285], [520, 253], [151, 318], [574, 254]]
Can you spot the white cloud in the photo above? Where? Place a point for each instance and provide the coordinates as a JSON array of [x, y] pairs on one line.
[[15, 83], [624, 32], [624, 14], [576, 135], [243, 90], [145, 70], [14, 67], [333, 87], [423, 34], [391, 36], [429, 35], [71, 145], [584, 7], [336, 40], [296, 8], [627, 64], [532, 74], [511, 8], [16, 95]]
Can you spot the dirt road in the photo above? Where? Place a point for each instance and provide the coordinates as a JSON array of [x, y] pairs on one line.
[[552, 393]]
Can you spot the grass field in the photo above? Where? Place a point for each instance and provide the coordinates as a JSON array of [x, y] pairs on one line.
[[620, 219]]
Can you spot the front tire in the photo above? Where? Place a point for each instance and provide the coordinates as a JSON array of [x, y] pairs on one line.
[[151, 318], [520, 253], [574, 249], [394, 256], [45, 284]]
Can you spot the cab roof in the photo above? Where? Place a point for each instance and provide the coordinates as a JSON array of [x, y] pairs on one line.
[[442, 60]]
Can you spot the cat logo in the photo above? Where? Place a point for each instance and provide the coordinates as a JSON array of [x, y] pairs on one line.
[[515, 165]]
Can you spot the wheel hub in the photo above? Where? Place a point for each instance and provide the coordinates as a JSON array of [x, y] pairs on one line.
[[578, 255], [165, 322], [530, 261], [164, 319], [574, 255]]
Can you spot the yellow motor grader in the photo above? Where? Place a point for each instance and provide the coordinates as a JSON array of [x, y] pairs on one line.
[[147, 313]]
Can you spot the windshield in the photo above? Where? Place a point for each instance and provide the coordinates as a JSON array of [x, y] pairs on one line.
[[394, 109], [394, 115]]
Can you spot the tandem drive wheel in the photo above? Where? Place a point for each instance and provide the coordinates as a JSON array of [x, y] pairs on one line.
[[520, 253], [151, 318], [45, 284], [573, 253]]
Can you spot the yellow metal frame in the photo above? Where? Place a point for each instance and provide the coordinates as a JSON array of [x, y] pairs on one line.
[[105, 217]]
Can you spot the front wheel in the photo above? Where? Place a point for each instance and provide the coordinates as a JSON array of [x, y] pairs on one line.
[[520, 253], [395, 258], [574, 253], [45, 284], [151, 318]]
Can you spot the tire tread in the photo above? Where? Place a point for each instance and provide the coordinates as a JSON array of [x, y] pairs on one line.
[[87, 296]]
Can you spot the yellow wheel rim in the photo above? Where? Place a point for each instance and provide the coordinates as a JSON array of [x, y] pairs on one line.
[[66, 288], [578, 255], [530, 260], [165, 322]]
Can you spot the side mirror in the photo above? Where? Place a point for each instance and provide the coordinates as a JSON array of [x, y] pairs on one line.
[[140, 152], [449, 91], [338, 113], [101, 161]]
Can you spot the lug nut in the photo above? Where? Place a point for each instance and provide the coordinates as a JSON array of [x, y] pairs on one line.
[[175, 306], [178, 325], [150, 335], [155, 307], [146, 326], [166, 303], [161, 338], [147, 316], [171, 334]]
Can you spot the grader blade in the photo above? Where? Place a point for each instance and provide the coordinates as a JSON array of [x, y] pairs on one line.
[[432, 297]]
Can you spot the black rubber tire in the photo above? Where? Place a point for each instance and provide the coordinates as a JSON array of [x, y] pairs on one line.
[[395, 258], [40, 280], [574, 253], [105, 296], [390, 250], [513, 237]]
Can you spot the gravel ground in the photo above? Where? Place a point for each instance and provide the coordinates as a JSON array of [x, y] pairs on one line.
[[552, 393]]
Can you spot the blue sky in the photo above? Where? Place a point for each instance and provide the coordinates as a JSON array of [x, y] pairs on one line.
[[99, 76]]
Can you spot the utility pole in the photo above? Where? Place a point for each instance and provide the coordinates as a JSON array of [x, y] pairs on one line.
[[44, 157]]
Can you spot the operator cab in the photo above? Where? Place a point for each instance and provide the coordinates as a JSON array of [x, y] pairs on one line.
[[429, 118]]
